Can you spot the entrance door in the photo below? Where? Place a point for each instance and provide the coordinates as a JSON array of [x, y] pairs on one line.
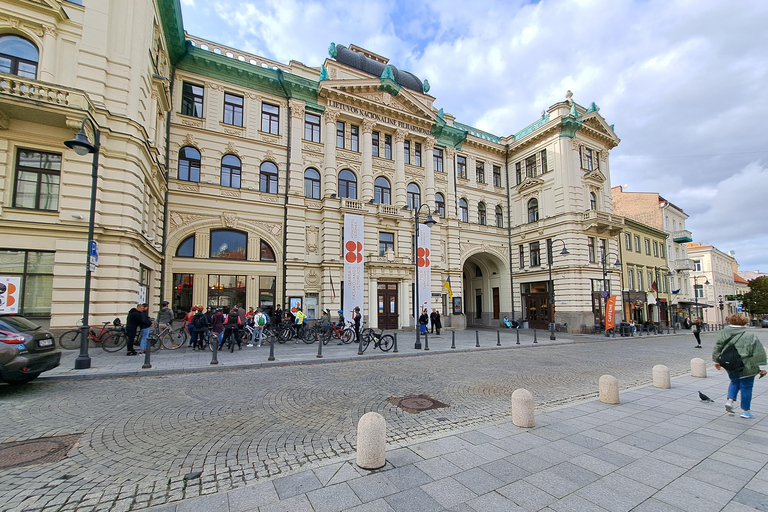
[[496, 304], [538, 314], [479, 304], [387, 306]]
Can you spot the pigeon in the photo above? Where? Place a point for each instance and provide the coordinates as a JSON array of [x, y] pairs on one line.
[[704, 398]]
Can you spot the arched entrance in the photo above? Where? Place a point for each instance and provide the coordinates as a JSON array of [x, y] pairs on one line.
[[485, 284]]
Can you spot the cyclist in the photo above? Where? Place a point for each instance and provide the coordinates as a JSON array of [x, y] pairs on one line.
[[232, 325], [217, 321], [165, 316], [300, 317], [340, 325], [325, 321]]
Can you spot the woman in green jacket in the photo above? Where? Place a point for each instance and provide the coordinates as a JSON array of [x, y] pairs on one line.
[[752, 355]]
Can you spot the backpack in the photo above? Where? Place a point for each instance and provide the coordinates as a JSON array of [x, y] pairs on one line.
[[199, 321], [261, 320], [730, 360], [233, 317]]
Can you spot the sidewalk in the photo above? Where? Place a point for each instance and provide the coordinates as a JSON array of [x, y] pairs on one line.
[[660, 449]]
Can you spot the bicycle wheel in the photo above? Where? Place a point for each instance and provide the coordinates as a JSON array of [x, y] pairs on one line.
[[153, 342], [386, 342], [348, 336], [309, 336], [326, 336], [70, 340], [284, 335], [367, 335], [366, 342], [113, 342], [183, 335], [171, 340]]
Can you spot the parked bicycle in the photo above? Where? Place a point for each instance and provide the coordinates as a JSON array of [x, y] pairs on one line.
[[110, 339], [382, 341], [172, 339]]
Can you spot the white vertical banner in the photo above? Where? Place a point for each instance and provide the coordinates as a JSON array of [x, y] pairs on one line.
[[354, 235], [9, 294], [424, 260]]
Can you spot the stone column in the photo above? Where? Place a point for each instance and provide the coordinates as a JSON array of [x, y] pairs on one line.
[[429, 171], [329, 162], [49, 54], [400, 184], [367, 171], [296, 156]]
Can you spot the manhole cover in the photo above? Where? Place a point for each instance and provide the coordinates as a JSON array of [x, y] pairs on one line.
[[36, 451], [413, 404]]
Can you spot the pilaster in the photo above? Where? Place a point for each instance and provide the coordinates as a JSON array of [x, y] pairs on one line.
[[329, 163], [367, 172], [400, 185]]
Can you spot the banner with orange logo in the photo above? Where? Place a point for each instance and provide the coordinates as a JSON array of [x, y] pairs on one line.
[[9, 294], [354, 289], [610, 312], [424, 262]]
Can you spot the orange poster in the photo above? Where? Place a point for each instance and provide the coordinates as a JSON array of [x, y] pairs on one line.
[[610, 312]]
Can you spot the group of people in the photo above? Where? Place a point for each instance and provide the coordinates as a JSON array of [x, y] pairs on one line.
[[430, 321]]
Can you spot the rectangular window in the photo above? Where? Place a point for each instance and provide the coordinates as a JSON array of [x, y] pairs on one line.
[[697, 265], [604, 251], [656, 248], [543, 155], [518, 173], [417, 154], [521, 250], [661, 251], [461, 167], [637, 243], [183, 288], [233, 109], [534, 254], [192, 100], [270, 118], [651, 280], [591, 249], [639, 280], [628, 241], [437, 160], [340, 134], [386, 241], [311, 127], [37, 180], [647, 246], [698, 290], [387, 146], [588, 159], [354, 132], [496, 176], [375, 143], [630, 279], [530, 166], [35, 268], [480, 172], [407, 151]]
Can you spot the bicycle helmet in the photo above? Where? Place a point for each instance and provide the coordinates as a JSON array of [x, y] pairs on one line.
[[340, 312]]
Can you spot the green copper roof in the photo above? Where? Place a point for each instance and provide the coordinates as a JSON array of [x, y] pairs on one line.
[[531, 127], [173, 27], [477, 133]]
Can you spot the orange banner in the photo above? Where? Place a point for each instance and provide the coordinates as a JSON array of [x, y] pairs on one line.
[[610, 312]]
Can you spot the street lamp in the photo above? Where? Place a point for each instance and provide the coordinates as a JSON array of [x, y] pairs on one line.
[[82, 147], [564, 252], [605, 283], [417, 305]]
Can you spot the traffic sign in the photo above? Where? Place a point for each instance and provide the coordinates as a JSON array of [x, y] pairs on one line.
[[93, 252], [739, 308], [604, 294]]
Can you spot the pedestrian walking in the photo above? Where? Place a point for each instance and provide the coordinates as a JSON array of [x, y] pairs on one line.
[[436, 322], [752, 354], [278, 316], [696, 330]]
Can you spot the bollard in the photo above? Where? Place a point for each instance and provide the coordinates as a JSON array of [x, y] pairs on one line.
[[661, 377], [215, 351], [517, 335], [613, 332], [453, 339], [609, 389], [394, 349], [523, 409], [534, 336], [477, 339], [371, 441], [640, 331], [698, 368], [319, 348], [146, 357], [498, 338], [271, 349], [552, 331], [417, 345], [426, 341], [674, 328]]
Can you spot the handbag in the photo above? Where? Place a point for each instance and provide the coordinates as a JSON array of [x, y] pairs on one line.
[[730, 359]]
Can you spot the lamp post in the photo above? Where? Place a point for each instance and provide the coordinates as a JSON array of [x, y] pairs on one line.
[[417, 305], [564, 252], [82, 147], [605, 283]]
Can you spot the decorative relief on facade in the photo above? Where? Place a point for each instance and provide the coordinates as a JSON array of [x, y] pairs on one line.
[[271, 139], [529, 183], [349, 155], [229, 220], [450, 153], [429, 143], [575, 144], [214, 87], [268, 198], [231, 149], [313, 204], [595, 176], [383, 163], [48, 31], [312, 147], [189, 187], [313, 235], [331, 114], [367, 125], [254, 96], [312, 278], [333, 73], [603, 156], [273, 229], [233, 131], [297, 108], [269, 155], [183, 219], [400, 135], [230, 193]]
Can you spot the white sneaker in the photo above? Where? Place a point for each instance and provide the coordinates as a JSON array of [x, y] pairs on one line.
[[249, 345], [729, 406]]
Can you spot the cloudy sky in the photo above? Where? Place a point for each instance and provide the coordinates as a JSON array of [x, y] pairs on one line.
[[681, 80]]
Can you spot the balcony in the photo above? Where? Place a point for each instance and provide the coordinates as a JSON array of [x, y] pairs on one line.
[[351, 204], [22, 98], [685, 264], [602, 223], [389, 210], [682, 236]]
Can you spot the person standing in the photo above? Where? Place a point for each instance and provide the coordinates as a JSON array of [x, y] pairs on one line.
[[232, 326], [696, 329], [423, 321], [165, 316], [260, 321], [300, 317], [145, 324], [132, 323], [357, 317], [436, 323], [190, 326], [752, 355], [217, 325], [199, 324], [278, 316]]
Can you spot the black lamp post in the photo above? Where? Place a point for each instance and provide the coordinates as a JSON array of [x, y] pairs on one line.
[[82, 147], [564, 252], [417, 305], [605, 283]]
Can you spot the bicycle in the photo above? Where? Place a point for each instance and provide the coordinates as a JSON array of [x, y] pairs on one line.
[[111, 340], [172, 339], [345, 334], [382, 341]]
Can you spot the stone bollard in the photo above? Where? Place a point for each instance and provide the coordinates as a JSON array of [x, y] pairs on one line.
[[609, 389], [453, 339], [371, 441], [661, 377], [522, 409], [698, 368], [477, 339]]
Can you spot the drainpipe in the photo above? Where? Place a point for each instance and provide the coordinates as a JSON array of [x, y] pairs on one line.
[[509, 231], [287, 187], [167, 181]]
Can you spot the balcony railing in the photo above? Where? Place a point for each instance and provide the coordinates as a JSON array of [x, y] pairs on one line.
[[684, 264], [28, 89], [352, 204], [682, 236]]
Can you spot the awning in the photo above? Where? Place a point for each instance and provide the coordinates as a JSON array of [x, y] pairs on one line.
[[685, 304]]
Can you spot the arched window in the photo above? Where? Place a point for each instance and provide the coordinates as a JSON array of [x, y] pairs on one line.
[[414, 196], [228, 245], [230, 171], [463, 210], [347, 184], [18, 56], [440, 204], [533, 210], [268, 177], [499, 217], [189, 164], [186, 248], [592, 201], [265, 252], [481, 217], [312, 183], [382, 191]]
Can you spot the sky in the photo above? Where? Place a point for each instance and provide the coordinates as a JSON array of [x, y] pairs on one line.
[[681, 80]]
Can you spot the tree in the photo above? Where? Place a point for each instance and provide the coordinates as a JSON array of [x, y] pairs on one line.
[[756, 300]]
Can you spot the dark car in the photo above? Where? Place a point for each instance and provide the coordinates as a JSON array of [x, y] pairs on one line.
[[764, 322], [26, 350]]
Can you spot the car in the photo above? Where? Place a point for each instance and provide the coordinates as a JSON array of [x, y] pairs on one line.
[[26, 350], [764, 322]]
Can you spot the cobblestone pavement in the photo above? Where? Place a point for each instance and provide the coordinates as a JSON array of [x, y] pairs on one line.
[[139, 436]]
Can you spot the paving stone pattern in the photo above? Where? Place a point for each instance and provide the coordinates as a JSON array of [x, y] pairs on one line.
[[141, 435]]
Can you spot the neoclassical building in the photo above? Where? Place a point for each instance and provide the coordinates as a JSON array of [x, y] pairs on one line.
[[225, 177]]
